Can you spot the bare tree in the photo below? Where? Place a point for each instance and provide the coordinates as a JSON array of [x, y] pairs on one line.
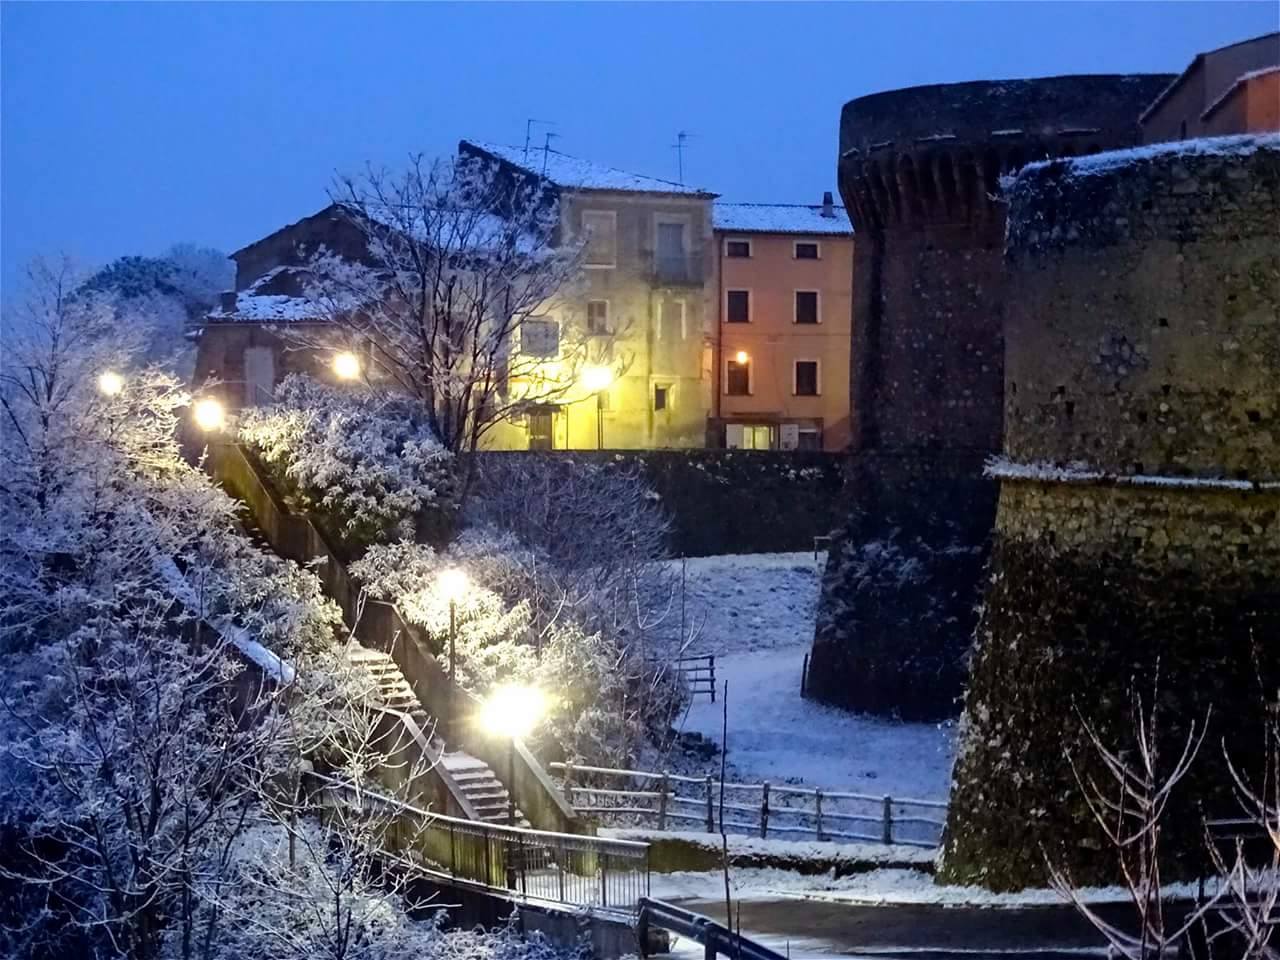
[[461, 299], [1129, 805]]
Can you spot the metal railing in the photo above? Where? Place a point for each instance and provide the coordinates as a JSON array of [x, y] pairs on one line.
[[716, 939], [561, 868], [699, 673], [677, 802]]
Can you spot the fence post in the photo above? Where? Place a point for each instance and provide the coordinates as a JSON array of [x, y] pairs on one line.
[[711, 663], [604, 879], [804, 677], [764, 811], [817, 803], [662, 801], [568, 783], [711, 810], [562, 866], [887, 836]]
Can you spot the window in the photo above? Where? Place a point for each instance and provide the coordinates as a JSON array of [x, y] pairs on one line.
[[660, 396], [601, 230], [748, 436], [806, 382], [806, 306], [737, 305], [540, 338], [540, 422], [597, 316], [737, 379], [808, 439], [671, 319], [806, 250], [672, 263], [737, 249]]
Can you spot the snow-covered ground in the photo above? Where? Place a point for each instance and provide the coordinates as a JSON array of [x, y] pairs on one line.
[[758, 613]]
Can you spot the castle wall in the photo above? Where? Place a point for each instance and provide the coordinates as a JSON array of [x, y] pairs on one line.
[[920, 173], [1138, 527]]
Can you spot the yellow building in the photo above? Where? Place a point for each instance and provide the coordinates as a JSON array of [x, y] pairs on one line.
[[646, 307]]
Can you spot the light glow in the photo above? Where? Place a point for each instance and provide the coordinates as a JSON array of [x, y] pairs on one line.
[[110, 383], [346, 365], [209, 415], [742, 357], [596, 379], [452, 583], [513, 710]]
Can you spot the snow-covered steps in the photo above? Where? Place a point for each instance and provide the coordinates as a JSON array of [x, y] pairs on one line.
[[481, 786], [393, 690]]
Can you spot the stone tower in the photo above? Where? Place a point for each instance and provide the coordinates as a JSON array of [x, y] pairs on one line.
[[1138, 532], [920, 173]]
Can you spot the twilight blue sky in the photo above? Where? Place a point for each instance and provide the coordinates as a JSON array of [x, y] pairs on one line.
[[127, 127]]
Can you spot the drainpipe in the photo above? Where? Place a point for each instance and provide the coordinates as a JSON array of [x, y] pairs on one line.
[[718, 352]]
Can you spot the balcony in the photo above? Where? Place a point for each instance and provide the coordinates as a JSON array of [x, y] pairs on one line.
[[679, 270]]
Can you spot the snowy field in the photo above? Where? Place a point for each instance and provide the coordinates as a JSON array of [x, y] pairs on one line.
[[757, 614]]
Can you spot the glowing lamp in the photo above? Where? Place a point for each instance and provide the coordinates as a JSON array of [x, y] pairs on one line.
[[209, 415], [346, 365], [742, 356], [512, 710], [452, 583], [110, 383], [596, 379]]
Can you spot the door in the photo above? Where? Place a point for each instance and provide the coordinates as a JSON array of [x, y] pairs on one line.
[[541, 424], [259, 376]]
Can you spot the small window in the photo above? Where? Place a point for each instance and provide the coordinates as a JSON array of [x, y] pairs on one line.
[[737, 249], [806, 378], [808, 439], [737, 306], [737, 381], [806, 250], [600, 228], [597, 317], [806, 306], [660, 398], [540, 338]]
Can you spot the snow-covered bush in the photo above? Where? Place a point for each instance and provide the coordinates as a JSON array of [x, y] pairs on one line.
[[364, 460]]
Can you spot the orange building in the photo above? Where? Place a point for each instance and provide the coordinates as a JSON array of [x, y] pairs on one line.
[[785, 275]]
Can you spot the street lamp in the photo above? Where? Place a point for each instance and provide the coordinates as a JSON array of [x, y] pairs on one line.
[[110, 383], [512, 711], [742, 357], [346, 365], [598, 379], [209, 415], [452, 584]]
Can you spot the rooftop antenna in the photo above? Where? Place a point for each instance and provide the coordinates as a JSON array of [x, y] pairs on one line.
[[678, 147], [528, 132], [546, 150]]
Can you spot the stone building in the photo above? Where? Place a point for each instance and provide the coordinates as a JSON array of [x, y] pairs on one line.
[[648, 291], [1234, 89], [782, 367], [1137, 538], [920, 173]]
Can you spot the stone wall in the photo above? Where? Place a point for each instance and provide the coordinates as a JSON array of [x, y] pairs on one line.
[[1138, 529], [735, 501], [920, 174]]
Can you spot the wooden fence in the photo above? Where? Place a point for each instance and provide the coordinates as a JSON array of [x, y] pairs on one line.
[[669, 801]]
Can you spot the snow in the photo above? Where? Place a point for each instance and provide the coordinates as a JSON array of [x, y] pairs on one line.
[[1002, 468], [759, 613], [577, 174], [1242, 145], [780, 218], [1240, 81], [741, 845], [261, 307]]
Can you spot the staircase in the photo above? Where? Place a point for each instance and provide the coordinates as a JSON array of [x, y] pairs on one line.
[[475, 778]]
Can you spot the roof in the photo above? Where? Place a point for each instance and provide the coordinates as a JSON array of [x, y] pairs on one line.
[[574, 173], [780, 218], [1240, 83], [254, 305], [1196, 61]]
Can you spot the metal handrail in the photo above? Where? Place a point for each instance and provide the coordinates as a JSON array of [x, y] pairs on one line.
[[715, 938]]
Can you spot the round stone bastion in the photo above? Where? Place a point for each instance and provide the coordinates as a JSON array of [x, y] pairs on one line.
[[1137, 542]]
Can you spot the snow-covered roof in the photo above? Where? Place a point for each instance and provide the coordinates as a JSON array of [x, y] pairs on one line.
[[255, 305], [780, 218], [574, 173], [1235, 88]]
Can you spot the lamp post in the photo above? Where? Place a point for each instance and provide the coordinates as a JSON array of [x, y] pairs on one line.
[[346, 365], [598, 379], [452, 584], [209, 415], [512, 711], [110, 383]]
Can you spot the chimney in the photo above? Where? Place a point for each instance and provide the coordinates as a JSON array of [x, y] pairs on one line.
[[228, 301], [828, 206]]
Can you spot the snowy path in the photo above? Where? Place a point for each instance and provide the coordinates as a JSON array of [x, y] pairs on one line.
[[759, 613]]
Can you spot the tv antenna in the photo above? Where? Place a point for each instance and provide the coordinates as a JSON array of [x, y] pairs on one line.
[[678, 147], [528, 132], [546, 150]]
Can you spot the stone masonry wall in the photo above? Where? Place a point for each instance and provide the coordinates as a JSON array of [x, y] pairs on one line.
[[920, 173], [1138, 532]]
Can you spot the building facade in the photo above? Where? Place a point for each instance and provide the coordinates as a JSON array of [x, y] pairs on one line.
[[1234, 89], [646, 294], [782, 360]]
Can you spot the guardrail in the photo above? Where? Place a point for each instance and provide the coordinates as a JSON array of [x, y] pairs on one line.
[[752, 808], [537, 865], [716, 939], [699, 674]]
